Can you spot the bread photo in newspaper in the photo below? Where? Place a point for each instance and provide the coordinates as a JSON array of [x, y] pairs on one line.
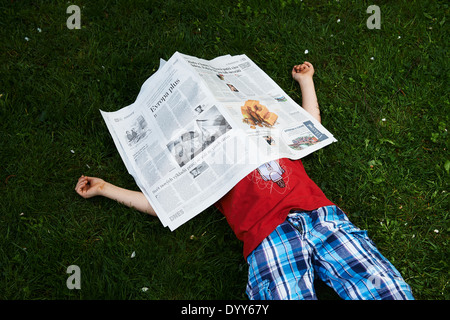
[[256, 114]]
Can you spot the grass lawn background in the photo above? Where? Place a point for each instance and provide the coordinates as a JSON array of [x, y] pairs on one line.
[[383, 94]]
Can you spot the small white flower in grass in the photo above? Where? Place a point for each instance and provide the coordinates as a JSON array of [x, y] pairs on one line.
[[384, 119], [72, 151], [133, 255], [338, 20], [27, 39], [39, 29], [436, 231], [144, 289], [306, 51], [399, 37], [372, 58]]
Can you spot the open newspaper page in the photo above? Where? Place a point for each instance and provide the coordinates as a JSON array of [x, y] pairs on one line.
[[260, 108], [178, 145], [198, 127]]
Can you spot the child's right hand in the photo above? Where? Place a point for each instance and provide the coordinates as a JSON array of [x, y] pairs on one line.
[[89, 187]]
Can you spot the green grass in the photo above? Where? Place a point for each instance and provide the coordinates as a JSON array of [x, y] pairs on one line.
[[389, 171]]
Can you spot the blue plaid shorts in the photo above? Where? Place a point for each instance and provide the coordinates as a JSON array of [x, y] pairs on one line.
[[325, 243]]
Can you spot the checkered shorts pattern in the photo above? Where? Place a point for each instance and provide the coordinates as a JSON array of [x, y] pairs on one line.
[[325, 243]]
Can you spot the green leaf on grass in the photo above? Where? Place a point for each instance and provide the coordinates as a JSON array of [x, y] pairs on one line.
[[447, 166]]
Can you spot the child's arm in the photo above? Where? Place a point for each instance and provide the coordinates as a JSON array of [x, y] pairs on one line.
[[303, 74], [88, 187]]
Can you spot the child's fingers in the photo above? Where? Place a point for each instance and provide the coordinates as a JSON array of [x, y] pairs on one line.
[[78, 183], [82, 191], [300, 67], [80, 188], [296, 69], [81, 184], [304, 68]]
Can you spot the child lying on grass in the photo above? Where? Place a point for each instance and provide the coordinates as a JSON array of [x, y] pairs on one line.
[[291, 232]]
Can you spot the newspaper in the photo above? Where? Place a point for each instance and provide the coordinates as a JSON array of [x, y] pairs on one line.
[[199, 126]]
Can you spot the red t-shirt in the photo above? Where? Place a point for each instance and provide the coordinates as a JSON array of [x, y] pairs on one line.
[[263, 199]]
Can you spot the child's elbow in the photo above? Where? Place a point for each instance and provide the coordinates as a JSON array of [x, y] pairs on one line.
[[149, 210]]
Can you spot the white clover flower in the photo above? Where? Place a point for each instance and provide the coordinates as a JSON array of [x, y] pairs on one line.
[[436, 231], [144, 289], [39, 29], [306, 51], [372, 58], [338, 20], [72, 151], [27, 39]]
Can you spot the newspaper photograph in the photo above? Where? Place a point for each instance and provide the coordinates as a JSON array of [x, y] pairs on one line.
[[198, 127]]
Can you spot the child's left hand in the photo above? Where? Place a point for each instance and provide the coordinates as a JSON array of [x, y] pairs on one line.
[[302, 71]]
